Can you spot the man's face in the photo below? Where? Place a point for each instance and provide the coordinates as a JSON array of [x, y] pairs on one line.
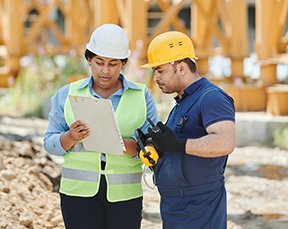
[[167, 78]]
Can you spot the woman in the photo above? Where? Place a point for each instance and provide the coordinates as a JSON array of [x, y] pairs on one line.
[[100, 190]]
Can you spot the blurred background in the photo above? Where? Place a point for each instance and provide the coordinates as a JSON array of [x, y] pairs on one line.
[[242, 46]]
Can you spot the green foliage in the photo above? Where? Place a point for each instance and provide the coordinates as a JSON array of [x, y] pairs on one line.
[[280, 138], [74, 65], [35, 84]]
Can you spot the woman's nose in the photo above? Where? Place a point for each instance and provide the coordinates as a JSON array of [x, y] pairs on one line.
[[105, 69]]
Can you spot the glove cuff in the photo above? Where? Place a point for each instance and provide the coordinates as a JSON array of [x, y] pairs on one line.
[[182, 145]]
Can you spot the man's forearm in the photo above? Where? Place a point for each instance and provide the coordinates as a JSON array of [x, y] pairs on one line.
[[209, 146]]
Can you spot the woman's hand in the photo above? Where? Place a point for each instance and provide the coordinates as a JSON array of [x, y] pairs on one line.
[[130, 145], [77, 131]]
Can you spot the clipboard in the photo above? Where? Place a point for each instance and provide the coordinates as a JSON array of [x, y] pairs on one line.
[[98, 114]]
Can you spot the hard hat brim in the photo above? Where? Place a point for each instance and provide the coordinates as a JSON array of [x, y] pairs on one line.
[[146, 66], [158, 64]]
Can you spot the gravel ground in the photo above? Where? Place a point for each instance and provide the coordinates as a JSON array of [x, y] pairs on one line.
[[256, 182]]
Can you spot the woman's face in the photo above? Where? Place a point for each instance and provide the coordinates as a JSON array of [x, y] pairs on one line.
[[105, 71]]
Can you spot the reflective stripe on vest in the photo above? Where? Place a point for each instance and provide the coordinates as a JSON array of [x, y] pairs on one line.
[[124, 178], [76, 174], [93, 176]]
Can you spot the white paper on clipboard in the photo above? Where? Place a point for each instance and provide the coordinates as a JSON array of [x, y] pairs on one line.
[[98, 114]]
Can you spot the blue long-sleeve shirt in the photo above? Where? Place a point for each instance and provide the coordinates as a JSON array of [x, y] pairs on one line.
[[57, 124]]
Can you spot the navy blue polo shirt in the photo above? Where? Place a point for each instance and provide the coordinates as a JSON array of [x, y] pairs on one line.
[[201, 105]]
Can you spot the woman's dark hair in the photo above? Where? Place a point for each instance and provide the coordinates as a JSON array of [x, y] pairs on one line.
[[191, 64], [90, 55]]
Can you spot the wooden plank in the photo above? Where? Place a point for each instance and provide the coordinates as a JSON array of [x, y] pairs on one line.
[[12, 34], [1, 22], [137, 32], [175, 22], [264, 45], [277, 97], [169, 16], [77, 23], [283, 43], [237, 35], [105, 11]]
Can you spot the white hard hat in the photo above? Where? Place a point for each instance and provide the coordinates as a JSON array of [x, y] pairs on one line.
[[109, 41]]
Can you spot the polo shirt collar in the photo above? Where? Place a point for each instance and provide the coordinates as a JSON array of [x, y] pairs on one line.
[[191, 89]]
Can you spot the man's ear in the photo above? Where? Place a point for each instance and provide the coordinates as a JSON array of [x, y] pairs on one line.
[[182, 68]]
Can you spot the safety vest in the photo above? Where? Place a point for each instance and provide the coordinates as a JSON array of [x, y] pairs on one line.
[[82, 170]]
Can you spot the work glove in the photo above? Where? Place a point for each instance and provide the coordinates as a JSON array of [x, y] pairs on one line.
[[165, 140]]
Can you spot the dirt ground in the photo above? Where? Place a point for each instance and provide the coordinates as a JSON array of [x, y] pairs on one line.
[[256, 182]]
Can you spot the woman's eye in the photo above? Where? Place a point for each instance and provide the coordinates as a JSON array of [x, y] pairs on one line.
[[99, 63]]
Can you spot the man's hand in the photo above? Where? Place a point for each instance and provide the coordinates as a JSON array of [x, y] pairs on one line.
[[165, 140]]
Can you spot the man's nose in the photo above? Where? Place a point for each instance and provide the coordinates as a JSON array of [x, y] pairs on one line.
[[155, 77]]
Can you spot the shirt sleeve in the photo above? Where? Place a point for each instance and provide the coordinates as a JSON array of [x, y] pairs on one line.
[[57, 124], [217, 106], [151, 111]]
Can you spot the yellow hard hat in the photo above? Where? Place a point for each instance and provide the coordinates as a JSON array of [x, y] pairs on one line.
[[168, 47]]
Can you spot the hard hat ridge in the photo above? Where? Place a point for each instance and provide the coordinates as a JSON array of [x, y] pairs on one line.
[[109, 40]]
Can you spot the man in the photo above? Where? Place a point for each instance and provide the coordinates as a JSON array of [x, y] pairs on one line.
[[196, 140]]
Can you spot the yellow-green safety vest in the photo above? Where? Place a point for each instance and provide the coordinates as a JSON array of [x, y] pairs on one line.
[[82, 170]]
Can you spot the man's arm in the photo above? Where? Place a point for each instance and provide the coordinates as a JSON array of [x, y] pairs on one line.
[[220, 141]]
